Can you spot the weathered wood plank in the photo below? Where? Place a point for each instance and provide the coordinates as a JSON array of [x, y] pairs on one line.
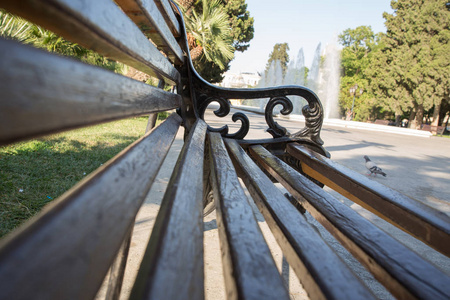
[[405, 274], [147, 16], [425, 223], [320, 270], [117, 270], [168, 13], [42, 93], [66, 251], [98, 25], [172, 267], [249, 269]]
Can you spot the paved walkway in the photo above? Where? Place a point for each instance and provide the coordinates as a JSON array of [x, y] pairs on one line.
[[416, 166]]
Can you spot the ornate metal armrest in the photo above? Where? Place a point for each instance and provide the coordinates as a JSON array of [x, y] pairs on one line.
[[205, 93], [198, 94]]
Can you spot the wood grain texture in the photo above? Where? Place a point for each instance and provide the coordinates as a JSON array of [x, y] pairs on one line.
[[99, 25], [405, 274], [172, 267], [66, 251], [320, 270], [43, 93], [147, 16], [165, 6], [425, 223], [249, 269], [117, 270]]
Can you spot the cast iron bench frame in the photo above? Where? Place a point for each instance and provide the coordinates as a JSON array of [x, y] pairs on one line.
[[67, 250]]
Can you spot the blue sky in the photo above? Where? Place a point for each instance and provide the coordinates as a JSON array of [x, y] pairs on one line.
[[304, 23]]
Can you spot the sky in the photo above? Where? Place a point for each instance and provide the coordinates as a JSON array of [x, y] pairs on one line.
[[304, 24]]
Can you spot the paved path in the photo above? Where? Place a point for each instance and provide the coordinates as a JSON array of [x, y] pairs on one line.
[[416, 166]]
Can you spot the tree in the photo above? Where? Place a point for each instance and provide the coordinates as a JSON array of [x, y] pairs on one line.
[[241, 29], [212, 34], [279, 53], [359, 45], [412, 70], [241, 22]]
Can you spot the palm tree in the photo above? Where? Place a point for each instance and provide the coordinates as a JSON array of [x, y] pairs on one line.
[[186, 4], [14, 27], [210, 33]]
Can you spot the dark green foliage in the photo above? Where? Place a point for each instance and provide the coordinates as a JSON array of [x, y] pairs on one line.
[[279, 53], [411, 73], [242, 31], [241, 22], [209, 70], [360, 44]]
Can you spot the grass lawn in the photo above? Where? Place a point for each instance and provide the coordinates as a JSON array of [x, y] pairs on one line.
[[33, 173]]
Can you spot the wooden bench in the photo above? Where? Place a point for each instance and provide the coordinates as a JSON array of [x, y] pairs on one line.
[[67, 250], [381, 122], [433, 129]]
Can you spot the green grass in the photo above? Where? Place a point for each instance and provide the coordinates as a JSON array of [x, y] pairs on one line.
[[35, 172]]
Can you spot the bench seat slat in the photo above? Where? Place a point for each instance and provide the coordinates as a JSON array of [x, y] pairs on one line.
[[429, 225], [99, 25], [405, 274], [249, 269], [174, 255], [146, 14], [320, 270], [57, 93], [66, 251]]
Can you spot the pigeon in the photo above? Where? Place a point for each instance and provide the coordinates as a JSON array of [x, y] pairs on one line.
[[372, 167]]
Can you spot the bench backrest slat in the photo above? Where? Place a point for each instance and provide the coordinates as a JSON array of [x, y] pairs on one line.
[[305, 250], [79, 234], [174, 254], [99, 25], [44, 93], [425, 223], [147, 16], [249, 269], [166, 9], [404, 273]]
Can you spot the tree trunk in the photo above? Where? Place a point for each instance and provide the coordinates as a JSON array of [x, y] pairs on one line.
[[412, 117], [398, 120], [435, 122], [436, 113], [419, 117], [196, 53]]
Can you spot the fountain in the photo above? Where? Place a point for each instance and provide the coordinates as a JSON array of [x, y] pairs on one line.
[[323, 79]]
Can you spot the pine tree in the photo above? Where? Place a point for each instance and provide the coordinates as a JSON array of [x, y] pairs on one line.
[[279, 53], [411, 73]]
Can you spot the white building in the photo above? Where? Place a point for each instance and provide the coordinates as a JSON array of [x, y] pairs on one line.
[[240, 80]]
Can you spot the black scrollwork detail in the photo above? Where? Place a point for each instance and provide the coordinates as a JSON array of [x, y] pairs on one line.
[[275, 129], [313, 113], [221, 112]]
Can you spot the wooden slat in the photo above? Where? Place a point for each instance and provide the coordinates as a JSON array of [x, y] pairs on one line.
[[172, 267], [66, 251], [99, 25], [166, 9], [117, 270], [405, 274], [249, 269], [321, 271], [43, 93], [425, 223], [147, 16]]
